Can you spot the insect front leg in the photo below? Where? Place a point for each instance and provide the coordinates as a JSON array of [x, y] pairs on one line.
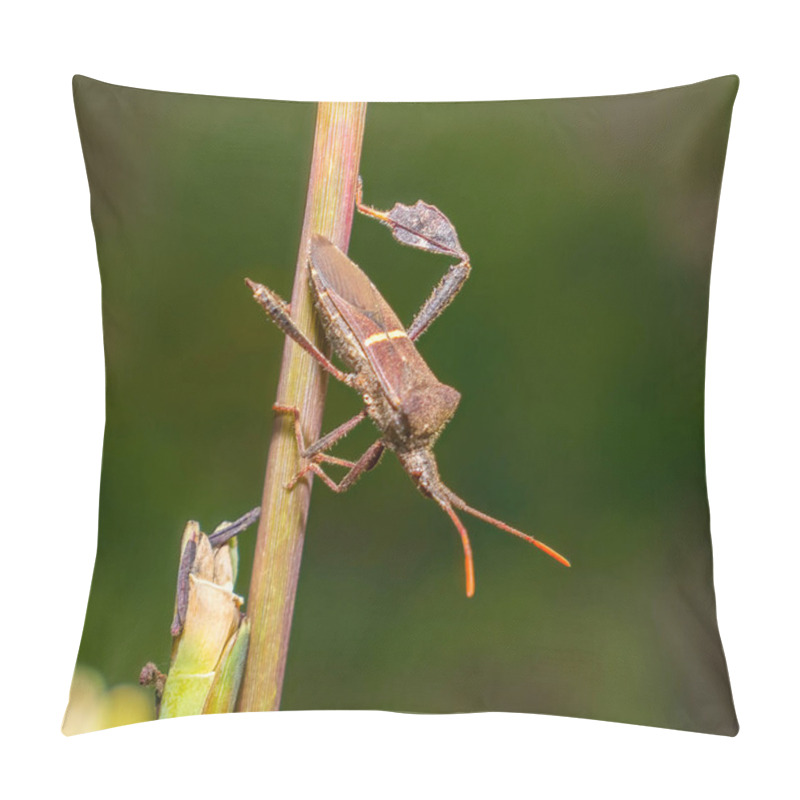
[[278, 311]]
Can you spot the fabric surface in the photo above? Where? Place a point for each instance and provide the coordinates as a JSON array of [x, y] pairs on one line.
[[578, 347]]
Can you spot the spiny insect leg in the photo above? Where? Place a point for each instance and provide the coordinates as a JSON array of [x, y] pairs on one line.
[[278, 311], [422, 226], [425, 227], [444, 294], [316, 456], [368, 460], [369, 211], [325, 442], [329, 439]]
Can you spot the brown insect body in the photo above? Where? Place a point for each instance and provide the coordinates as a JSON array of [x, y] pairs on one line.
[[402, 396]]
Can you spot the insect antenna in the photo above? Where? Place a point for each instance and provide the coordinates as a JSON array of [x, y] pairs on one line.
[[459, 503], [462, 532]]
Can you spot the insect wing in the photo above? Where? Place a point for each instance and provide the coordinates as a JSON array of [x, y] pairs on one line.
[[379, 332]]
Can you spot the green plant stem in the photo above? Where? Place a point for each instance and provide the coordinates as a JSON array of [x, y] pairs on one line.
[[329, 211]]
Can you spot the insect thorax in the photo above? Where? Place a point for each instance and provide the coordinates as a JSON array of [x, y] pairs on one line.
[[419, 419]]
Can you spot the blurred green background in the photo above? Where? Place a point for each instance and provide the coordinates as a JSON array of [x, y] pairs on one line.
[[578, 345]]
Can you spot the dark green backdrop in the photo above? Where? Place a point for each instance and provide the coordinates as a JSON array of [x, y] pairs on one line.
[[578, 345]]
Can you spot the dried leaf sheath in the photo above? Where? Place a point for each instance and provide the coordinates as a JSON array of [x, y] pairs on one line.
[[210, 637]]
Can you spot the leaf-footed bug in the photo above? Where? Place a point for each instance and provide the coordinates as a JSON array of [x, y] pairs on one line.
[[401, 395]]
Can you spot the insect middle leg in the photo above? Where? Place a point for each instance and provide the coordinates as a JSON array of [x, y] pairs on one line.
[[369, 459], [316, 455]]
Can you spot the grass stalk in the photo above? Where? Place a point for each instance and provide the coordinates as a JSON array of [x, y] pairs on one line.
[[281, 531]]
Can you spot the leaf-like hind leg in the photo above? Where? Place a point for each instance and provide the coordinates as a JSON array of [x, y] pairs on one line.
[[425, 227]]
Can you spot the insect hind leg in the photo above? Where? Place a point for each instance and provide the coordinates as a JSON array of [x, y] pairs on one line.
[[427, 228], [444, 294]]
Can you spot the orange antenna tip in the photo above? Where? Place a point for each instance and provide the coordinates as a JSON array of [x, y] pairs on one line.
[[549, 550], [469, 566], [470, 582]]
